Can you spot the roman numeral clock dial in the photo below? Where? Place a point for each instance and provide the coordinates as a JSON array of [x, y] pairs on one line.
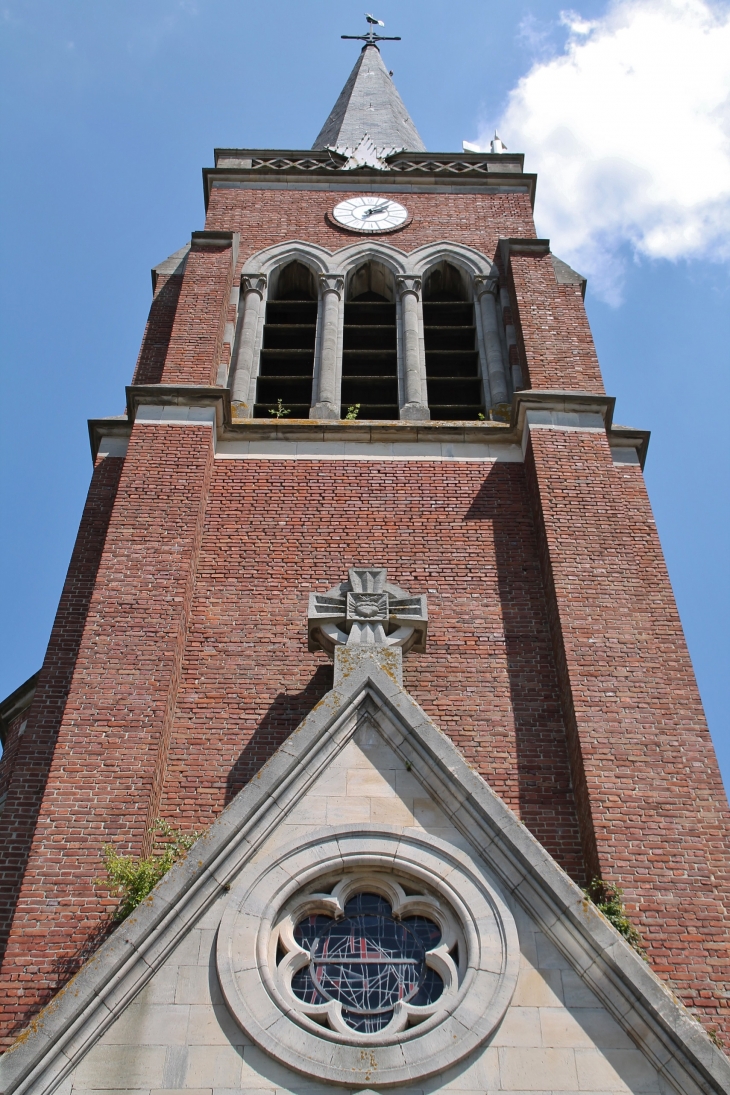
[[370, 214]]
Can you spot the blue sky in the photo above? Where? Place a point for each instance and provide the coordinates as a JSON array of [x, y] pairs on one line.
[[109, 112]]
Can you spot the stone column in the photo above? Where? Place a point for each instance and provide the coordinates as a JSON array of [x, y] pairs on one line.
[[327, 403], [485, 290], [253, 286], [414, 379]]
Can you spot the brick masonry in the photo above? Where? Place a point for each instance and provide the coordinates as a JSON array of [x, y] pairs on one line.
[[25, 763], [553, 335], [196, 339], [555, 660], [108, 761], [156, 339], [651, 803]]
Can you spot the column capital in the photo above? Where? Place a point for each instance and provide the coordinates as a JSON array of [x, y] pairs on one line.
[[253, 283], [332, 283], [408, 283], [485, 283]]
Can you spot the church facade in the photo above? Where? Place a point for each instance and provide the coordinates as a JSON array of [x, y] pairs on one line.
[[368, 593]]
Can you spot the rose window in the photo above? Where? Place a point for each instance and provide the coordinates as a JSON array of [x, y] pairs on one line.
[[362, 960]]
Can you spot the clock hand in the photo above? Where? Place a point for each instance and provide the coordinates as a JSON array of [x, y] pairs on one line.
[[374, 209]]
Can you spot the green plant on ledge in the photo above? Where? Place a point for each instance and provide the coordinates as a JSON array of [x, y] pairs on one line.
[[609, 899], [279, 411], [352, 412], [132, 877]]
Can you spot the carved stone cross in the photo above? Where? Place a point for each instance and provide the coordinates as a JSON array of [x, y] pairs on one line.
[[367, 610]]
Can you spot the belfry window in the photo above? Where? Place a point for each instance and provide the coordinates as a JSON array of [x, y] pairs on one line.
[[452, 359], [287, 355], [370, 354]]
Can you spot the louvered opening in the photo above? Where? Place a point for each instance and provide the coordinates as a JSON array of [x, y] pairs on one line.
[[286, 367], [369, 354], [452, 358]]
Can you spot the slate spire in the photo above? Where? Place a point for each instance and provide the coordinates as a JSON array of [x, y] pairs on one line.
[[369, 104]]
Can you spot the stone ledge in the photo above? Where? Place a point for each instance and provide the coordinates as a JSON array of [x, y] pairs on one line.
[[517, 246], [561, 402], [180, 395], [578, 405], [218, 241]]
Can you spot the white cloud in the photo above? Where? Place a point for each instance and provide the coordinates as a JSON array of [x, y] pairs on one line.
[[629, 129]]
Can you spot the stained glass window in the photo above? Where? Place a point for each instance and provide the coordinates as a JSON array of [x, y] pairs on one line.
[[368, 961]]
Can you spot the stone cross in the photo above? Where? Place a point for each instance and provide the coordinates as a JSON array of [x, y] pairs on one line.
[[367, 611]]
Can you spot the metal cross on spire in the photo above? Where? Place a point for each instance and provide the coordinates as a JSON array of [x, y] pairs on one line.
[[371, 37]]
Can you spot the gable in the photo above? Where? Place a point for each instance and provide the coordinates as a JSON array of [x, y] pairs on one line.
[[148, 1013]]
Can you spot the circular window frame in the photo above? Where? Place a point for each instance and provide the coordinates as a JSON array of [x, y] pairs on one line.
[[460, 1020], [406, 1016]]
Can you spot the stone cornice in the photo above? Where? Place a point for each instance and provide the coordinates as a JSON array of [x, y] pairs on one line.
[[179, 395], [560, 403], [15, 704], [511, 246], [217, 240], [406, 170]]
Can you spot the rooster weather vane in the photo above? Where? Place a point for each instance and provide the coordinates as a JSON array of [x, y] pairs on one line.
[[371, 37]]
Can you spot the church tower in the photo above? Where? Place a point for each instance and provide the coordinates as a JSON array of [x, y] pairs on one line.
[[368, 593]]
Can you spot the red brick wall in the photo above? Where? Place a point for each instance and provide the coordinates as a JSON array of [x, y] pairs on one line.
[[278, 530], [30, 756], [155, 341], [196, 340], [652, 806], [109, 758], [553, 334], [267, 217]]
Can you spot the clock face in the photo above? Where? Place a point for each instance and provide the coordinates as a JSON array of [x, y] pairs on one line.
[[369, 213]]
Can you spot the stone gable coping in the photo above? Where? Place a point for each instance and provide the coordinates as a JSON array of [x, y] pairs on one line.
[[73, 1021]]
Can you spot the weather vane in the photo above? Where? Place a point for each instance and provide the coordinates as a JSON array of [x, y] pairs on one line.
[[371, 37]]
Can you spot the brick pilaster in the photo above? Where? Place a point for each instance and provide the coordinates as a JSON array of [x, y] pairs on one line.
[[158, 329], [107, 769], [651, 804], [553, 334], [195, 348], [31, 754]]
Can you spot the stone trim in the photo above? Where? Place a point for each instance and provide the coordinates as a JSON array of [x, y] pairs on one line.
[[60, 1035], [466, 1017], [244, 158], [375, 186], [179, 395], [109, 445], [368, 450], [322, 439], [15, 704], [534, 247], [560, 403], [218, 239], [114, 430], [408, 270]]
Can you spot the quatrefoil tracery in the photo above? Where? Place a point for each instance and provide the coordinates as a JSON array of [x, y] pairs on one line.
[[373, 966]]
